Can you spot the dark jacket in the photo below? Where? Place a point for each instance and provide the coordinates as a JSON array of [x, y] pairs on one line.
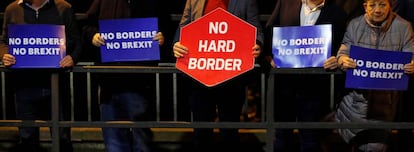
[[118, 9], [57, 12], [287, 13]]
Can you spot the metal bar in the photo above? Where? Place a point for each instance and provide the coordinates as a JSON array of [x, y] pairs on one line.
[[3, 95], [263, 96], [157, 91], [332, 92], [89, 95], [247, 125], [72, 98], [55, 111], [175, 98], [270, 133]]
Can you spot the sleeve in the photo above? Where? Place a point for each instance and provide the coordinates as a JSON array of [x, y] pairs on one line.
[[253, 18], [408, 45], [73, 36], [91, 24], [4, 38], [185, 19], [347, 40], [268, 30]]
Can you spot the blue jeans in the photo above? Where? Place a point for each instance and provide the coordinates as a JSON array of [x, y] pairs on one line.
[[124, 106], [34, 104]]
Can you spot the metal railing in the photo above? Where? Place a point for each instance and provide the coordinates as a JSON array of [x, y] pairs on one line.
[[267, 123]]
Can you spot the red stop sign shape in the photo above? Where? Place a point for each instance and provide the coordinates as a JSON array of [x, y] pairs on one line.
[[219, 48]]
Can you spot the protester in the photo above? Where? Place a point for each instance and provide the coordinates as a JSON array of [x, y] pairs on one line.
[[404, 114], [124, 96], [303, 102], [227, 98], [32, 89], [379, 28]]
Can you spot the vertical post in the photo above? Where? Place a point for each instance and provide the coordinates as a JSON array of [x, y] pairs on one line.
[[158, 96], [332, 92], [72, 98], [55, 111], [89, 95], [270, 131], [263, 96], [3, 94], [175, 98]]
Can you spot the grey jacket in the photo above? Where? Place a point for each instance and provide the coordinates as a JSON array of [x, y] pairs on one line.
[[395, 34]]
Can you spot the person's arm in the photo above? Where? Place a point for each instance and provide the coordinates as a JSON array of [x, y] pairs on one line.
[[180, 50], [270, 23], [344, 61], [90, 29], [409, 68], [3, 42], [253, 18], [185, 19], [4, 38], [73, 39], [7, 59]]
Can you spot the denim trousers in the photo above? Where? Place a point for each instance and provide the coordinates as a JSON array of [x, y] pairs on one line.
[[124, 106], [35, 104]]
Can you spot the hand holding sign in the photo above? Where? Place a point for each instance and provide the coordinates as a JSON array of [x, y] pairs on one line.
[[376, 69], [345, 62], [409, 68], [31, 47], [8, 60], [219, 51], [125, 40]]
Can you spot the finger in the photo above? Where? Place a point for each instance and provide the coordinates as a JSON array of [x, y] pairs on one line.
[[178, 55]]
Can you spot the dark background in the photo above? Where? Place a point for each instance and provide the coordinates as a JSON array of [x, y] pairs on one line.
[[169, 6]]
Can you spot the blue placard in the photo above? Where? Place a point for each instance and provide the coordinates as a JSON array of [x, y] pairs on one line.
[[129, 40], [378, 69], [301, 46], [34, 48]]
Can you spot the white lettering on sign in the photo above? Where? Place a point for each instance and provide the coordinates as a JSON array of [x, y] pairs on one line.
[[386, 75], [214, 64], [216, 46], [43, 41], [377, 74], [217, 27], [43, 51], [19, 51], [136, 45], [384, 65], [310, 51]]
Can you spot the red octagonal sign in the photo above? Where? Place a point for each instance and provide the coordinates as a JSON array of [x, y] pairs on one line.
[[219, 47]]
